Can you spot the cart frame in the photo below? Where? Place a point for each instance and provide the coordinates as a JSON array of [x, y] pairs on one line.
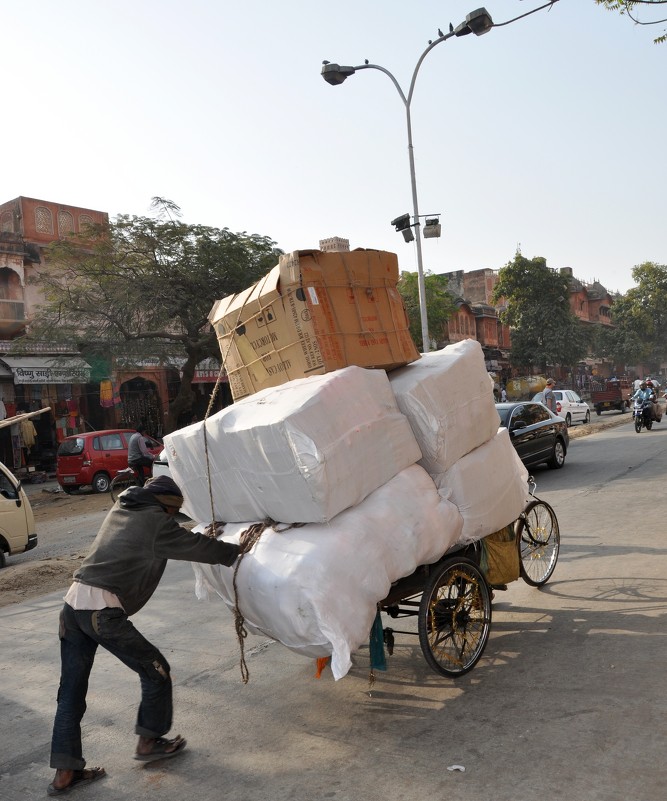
[[451, 598]]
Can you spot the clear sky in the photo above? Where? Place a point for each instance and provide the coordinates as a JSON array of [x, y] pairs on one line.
[[547, 134]]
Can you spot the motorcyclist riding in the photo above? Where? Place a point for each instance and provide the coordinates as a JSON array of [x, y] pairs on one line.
[[643, 399], [643, 393]]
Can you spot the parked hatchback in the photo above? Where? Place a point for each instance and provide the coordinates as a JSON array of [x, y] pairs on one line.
[[94, 458], [569, 406]]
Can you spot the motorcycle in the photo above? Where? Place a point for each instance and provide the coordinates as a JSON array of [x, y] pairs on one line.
[[642, 414]]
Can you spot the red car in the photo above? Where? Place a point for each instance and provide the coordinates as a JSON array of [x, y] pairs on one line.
[[94, 458]]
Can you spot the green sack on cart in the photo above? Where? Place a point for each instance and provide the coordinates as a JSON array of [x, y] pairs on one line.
[[499, 559]]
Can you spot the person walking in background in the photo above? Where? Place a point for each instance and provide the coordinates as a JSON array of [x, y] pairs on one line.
[[138, 455], [116, 579], [503, 395], [548, 395]]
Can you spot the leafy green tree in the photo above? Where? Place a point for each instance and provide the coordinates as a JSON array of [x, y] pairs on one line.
[[636, 10], [544, 329], [617, 345], [144, 287], [641, 314], [439, 304]]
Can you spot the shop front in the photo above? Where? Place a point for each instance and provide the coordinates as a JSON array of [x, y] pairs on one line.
[[30, 383]]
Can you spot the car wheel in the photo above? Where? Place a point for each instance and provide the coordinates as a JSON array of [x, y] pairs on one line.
[[3, 559], [587, 419], [69, 490], [568, 420], [101, 482], [557, 459]]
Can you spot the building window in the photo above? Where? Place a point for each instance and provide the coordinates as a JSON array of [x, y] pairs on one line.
[[65, 223], [7, 222], [43, 220], [85, 221]]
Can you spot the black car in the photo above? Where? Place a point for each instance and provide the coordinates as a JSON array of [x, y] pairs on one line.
[[537, 434]]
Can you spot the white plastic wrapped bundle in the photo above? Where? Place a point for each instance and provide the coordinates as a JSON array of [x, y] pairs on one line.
[[448, 398], [300, 452], [489, 487], [315, 588]]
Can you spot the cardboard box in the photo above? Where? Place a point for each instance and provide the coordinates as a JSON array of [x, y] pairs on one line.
[[314, 313]]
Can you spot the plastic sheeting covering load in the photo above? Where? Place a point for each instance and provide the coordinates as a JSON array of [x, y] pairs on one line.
[[448, 398], [489, 487], [301, 452], [315, 588]]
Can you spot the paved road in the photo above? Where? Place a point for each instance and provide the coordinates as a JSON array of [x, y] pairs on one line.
[[568, 701]]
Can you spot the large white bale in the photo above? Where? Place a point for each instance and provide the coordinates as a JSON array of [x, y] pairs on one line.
[[489, 487], [315, 588], [448, 398], [301, 452]]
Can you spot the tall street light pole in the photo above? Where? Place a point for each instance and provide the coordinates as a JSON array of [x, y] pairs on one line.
[[477, 22]]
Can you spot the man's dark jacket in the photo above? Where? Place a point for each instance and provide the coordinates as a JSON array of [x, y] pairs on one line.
[[137, 537]]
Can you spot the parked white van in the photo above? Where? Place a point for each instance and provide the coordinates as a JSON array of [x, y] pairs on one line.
[[17, 522]]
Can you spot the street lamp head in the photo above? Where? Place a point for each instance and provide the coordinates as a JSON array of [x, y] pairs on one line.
[[335, 74], [478, 22]]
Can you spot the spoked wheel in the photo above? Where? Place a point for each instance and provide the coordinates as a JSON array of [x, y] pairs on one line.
[[538, 541], [121, 482], [454, 617]]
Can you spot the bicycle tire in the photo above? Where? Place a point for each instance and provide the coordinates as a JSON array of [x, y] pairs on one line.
[[538, 542], [120, 484]]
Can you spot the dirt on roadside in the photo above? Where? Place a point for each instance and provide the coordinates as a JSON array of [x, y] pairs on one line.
[[21, 582]]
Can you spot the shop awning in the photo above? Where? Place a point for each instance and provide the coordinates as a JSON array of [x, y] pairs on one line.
[[47, 369]]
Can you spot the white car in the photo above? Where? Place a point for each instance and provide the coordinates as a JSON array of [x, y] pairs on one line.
[[161, 465], [569, 406]]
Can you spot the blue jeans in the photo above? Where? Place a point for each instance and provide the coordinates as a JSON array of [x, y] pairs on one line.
[[81, 631]]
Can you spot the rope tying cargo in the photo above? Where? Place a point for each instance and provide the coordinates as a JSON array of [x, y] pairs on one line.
[[250, 536], [247, 540]]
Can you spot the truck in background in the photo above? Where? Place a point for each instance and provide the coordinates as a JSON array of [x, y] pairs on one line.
[[615, 395]]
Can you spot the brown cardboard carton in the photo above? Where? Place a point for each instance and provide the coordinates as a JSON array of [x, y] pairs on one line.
[[314, 313]]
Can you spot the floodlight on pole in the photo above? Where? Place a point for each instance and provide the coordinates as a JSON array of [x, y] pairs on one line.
[[477, 22]]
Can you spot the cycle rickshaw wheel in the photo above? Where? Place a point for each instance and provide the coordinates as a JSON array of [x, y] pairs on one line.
[[454, 617], [538, 541]]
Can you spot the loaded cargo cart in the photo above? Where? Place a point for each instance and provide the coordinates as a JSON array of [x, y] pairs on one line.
[[355, 477], [614, 395], [452, 597], [315, 588]]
